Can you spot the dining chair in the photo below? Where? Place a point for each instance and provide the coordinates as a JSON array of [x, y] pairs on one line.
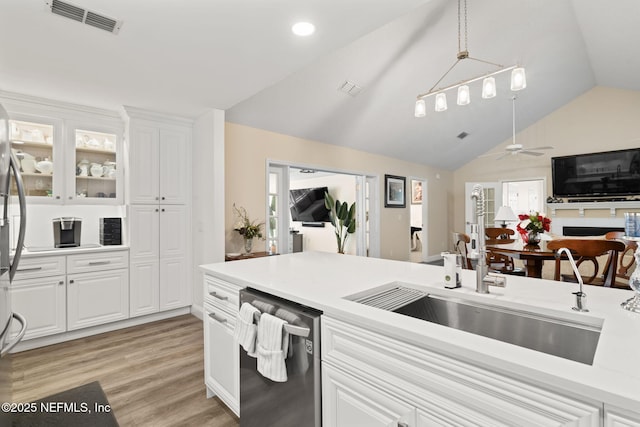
[[460, 242], [499, 263], [589, 250], [626, 260]]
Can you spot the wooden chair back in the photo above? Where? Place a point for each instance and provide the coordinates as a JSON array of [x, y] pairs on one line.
[[496, 235], [460, 242], [588, 250], [626, 259]]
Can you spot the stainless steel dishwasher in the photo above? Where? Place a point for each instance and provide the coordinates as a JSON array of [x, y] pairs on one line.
[[296, 402]]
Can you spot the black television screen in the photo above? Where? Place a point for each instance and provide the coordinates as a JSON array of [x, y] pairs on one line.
[[307, 204], [610, 173]]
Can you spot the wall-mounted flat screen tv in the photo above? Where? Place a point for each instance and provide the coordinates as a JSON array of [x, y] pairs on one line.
[[307, 205], [610, 173]]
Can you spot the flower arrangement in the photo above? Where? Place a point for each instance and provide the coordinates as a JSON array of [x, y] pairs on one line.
[[244, 226], [531, 225]]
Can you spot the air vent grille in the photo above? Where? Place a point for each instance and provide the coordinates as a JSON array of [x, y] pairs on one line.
[[67, 10], [80, 14], [350, 88], [101, 22]]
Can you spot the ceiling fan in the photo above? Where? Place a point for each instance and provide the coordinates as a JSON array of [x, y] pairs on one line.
[[515, 148]]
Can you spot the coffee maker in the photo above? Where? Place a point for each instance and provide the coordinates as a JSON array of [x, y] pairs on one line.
[[66, 232]]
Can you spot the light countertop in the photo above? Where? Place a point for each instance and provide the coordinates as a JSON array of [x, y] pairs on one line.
[[51, 251], [322, 280]]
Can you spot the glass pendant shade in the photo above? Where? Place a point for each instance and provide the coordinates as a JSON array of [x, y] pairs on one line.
[[518, 79], [441, 102], [489, 88], [463, 95], [421, 108]]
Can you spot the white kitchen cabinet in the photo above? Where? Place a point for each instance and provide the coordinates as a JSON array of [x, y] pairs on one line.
[[50, 139], [159, 159], [442, 389], [221, 351], [159, 263], [97, 298], [616, 417], [222, 356], [348, 402], [94, 164], [43, 302]]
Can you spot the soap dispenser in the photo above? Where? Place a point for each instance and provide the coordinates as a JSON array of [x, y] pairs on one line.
[[452, 270]]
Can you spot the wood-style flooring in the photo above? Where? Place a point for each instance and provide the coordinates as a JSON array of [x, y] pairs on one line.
[[152, 374]]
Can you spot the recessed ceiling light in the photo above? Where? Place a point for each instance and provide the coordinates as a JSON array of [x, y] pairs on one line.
[[303, 29]]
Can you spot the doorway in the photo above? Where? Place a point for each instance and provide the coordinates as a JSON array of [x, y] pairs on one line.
[[317, 234], [418, 220]]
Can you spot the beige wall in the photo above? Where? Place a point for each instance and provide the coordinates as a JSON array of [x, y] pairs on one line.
[[602, 119], [248, 149]]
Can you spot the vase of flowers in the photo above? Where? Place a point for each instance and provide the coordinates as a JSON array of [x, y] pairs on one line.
[[531, 226], [247, 228]]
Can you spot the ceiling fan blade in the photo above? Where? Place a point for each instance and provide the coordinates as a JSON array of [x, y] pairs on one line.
[[546, 147], [530, 153]]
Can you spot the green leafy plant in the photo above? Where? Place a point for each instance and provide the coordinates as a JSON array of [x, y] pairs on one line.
[[244, 226], [343, 218]]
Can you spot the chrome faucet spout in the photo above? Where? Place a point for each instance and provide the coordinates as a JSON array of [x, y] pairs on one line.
[[581, 297]]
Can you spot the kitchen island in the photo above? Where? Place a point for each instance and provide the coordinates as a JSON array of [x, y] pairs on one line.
[[424, 373]]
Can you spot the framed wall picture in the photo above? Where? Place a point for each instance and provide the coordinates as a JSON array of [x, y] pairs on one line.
[[416, 192], [395, 191]]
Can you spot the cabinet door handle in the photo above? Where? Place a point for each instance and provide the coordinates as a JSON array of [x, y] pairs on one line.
[[157, 210], [402, 424], [163, 197], [218, 318], [30, 269], [61, 282], [99, 262], [58, 197], [215, 295], [162, 209], [71, 281], [157, 198]]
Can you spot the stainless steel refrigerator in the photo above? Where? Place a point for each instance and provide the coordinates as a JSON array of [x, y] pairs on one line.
[[8, 265]]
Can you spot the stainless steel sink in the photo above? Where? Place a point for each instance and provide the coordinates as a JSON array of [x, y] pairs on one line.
[[552, 335]]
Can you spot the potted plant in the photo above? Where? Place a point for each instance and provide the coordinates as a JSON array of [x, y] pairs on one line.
[[342, 217], [247, 228]]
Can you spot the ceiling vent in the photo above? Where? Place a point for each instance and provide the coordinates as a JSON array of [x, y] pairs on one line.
[[88, 17], [462, 135], [350, 88]]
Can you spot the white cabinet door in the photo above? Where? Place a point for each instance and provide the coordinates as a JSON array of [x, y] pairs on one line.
[[222, 356], [144, 289], [173, 231], [174, 290], [43, 303], [97, 298], [615, 417], [348, 402], [174, 166], [144, 232], [144, 167]]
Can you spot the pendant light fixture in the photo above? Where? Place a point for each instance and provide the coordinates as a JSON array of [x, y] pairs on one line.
[[518, 78]]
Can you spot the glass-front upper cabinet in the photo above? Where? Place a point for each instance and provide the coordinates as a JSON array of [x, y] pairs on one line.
[[95, 167], [35, 144]]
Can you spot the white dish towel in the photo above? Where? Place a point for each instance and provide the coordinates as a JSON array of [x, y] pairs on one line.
[[272, 346], [246, 329]]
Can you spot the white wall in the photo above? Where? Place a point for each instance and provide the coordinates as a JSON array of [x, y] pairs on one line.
[[39, 222], [341, 187]]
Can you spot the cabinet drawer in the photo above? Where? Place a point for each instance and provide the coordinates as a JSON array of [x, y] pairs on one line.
[[221, 293], [222, 316], [97, 261], [29, 268]]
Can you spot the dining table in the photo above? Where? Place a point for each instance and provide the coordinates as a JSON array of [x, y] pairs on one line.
[[532, 256]]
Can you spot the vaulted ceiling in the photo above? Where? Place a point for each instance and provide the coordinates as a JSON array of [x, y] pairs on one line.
[[185, 56]]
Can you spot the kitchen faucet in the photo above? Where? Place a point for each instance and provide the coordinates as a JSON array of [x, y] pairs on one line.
[[581, 297], [478, 251]]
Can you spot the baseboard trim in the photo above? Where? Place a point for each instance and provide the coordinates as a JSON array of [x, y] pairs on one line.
[[197, 311], [94, 330]]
